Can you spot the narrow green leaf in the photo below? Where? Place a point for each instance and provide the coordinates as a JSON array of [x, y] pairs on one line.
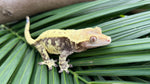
[[76, 80], [131, 31], [41, 76], [103, 6], [137, 34], [81, 82], [71, 79], [34, 71], [113, 82], [118, 52], [132, 19], [95, 78], [54, 12], [89, 16], [9, 66], [65, 78], [53, 76], [25, 71], [128, 26], [5, 49], [87, 78], [67, 12], [46, 14], [136, 79], [2, 32], [116, 78], [118, 71], [113, 59], [5, 38]]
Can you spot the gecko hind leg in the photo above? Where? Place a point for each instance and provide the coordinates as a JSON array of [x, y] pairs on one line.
[[63, 64], [46, 59]]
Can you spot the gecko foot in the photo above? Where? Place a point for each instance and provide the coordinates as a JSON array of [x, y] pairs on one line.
[[64, 67], [50, 63]]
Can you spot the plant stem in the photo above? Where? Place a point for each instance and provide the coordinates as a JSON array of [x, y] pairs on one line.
[[81, 78], [14, 33]]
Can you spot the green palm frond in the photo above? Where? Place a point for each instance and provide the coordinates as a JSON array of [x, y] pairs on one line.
[[124, 61]]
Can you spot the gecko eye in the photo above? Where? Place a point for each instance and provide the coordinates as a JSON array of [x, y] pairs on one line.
[[93, 39]]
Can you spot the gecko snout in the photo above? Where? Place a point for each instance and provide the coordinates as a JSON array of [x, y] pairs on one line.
[[109, 40]]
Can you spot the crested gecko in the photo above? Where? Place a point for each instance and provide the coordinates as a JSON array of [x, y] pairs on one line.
[[65, 42]]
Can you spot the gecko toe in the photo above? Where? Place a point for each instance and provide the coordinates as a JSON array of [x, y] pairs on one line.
[[70, 65], [55, 60], [67, 71], [68, 60], [41, 63], [49, 68], [55, 65], [60, 71]]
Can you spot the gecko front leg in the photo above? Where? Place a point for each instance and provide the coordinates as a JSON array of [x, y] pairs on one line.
[[46, 59], [63, 64]]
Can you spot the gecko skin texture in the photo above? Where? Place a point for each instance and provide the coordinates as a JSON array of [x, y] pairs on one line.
[[64, 43]]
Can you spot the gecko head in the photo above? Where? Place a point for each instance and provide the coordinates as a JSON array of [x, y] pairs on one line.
[[97, 39]]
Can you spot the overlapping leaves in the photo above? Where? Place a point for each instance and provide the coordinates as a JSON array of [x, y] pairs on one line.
[[125, 61]]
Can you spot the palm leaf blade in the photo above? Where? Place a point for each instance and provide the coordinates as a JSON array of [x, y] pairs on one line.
[[89, 16], [25, 71], [41, 76], [53, 76], [118, 71], [124, 61], [5, 49], [11, 63]]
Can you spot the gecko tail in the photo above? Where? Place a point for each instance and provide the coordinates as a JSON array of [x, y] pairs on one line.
[[27, 34]]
